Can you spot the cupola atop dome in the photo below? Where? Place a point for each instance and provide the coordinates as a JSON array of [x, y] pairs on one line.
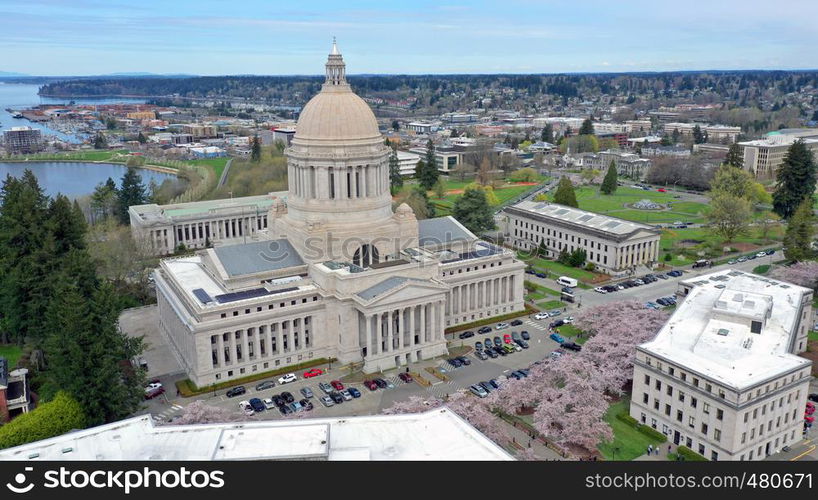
[[336, 69]]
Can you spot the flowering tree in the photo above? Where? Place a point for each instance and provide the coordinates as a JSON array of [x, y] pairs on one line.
[[415, 404], [198, 412], [804, 273]]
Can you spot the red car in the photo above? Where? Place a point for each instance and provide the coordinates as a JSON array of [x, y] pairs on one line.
[[507, 338], [371, 385], [662, 190], [405, 377], [337, 385], [809, 419], [313, 373], [152, 393]]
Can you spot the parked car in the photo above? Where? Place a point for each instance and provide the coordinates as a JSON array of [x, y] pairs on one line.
[[572, 346], [674, 273], [466, 335], [501, 326], [478, 346], [556, 337], [516, 322], [151, 393], [661, 276], [371, 385], [761, 254], [731, 262], [499, 350], [337, 385], [509, 348], [307, 392], [313, 373], [506, 339], [286, 379], [346, 395], [463, 359], [278, 400], [494, 383], [484, 329], [325, 387], [599, 289], [235, 391], [556, 324], [478, 391], [541, 275], [354, 392], [288, 398], [555, 354], [770, 252], [481, 355], [662, 302], [257, 404], [515, 335], [497, 341], [515, 375], [813, 397], [296, 407], [285, 410], [522, 343], [555, 312], [638, 282], [456, 363], [306, 404], [490, 353], [336, 397], [327, 401], [381, 383], [246, 408], [652, 305], [268, 403], [405, 377], [525, 335], [488, 387], [541, 315], [662, 190], [267, 384]]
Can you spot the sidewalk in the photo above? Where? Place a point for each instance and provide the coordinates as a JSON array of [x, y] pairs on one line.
[[521, 437], [661, 457]]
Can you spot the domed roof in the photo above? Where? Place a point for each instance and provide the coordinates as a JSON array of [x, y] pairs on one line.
[[336, 113]]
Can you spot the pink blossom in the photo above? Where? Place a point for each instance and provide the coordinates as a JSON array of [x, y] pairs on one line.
[[199, 412], [804, 273]]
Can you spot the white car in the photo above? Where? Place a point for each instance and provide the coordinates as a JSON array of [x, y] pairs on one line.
[[541, 315], [286, 379], [599, 289], [268, 403], [567, 320], [246, 408], [761, 254], [501, 326], [152, 386]]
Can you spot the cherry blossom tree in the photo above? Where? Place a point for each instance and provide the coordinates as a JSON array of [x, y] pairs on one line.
[[199, 412], [478, 413], [415, 404], [804, 273]]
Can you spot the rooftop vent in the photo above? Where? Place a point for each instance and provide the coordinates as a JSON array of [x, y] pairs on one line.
[[721, 304], [738, 298], [749, 304], [723, 332]]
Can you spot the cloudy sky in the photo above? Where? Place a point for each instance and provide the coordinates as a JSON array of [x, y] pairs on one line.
[[214, 37]]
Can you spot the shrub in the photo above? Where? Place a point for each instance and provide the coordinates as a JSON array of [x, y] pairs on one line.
[[690, 455], [58, 416], [590, 266], [624, 417], [651, 432]]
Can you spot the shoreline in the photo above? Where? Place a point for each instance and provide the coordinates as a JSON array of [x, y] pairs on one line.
[[155, 168]]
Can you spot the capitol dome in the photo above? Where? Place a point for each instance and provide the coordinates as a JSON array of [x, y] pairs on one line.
[[336, 113]]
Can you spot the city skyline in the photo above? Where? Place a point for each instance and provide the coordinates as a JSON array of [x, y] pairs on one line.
[[45, 37]]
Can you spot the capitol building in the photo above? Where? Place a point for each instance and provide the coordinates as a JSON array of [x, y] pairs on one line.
[[331, 268]]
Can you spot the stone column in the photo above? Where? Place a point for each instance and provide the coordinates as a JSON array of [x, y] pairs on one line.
[[232, 346], [411, 341], [441, 321], [368, 330], [279, 338], [401, 327], [220, 349], [422, 331], [511, 288], [245, 346]]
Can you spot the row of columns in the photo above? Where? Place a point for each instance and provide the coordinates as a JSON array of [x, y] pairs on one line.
[[478, 295], [634, 255], [198, 232], [361, 181], [272, 337], [403, 328]]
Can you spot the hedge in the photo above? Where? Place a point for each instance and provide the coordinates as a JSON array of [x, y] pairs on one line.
[[487, 321], [60, 415], [644, 429], [690, 455], [187, 388]]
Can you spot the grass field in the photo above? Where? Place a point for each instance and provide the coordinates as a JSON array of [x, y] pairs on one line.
[[217, 164], [550, 304], [571, 332], [445, 205], [12, 353], [673, 238], [558, 269], [628, 443]]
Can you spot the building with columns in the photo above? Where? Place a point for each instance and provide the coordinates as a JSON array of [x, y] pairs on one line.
[[336, 271], [613, 245]]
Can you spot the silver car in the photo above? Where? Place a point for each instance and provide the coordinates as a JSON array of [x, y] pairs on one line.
[[327, 401], [306, 392], [346, 395], [325, 387], [478, 391]]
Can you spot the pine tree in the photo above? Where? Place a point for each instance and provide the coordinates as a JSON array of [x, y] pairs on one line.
[[255, 154], [698, 137], [800, 230], [141, 138], [473, 211], [426, 170], [609, 182], [565, 193], [547, 134], [100, 142], [132, 192], [734, 156], [103, 200], [395, 179], [587, 127], [795, 180]]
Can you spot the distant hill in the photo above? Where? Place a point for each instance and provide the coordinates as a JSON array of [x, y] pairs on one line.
[[12, 73]]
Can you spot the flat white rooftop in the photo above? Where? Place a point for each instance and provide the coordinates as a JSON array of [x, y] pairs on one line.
[[438, 434], [708, 332], [584, 218]]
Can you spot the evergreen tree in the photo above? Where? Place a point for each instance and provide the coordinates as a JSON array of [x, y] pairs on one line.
[[103, 200], [800, 230], [132, 192], [66, 224], [795, 180], [577, 258], [141, 138], [255, 154], [100, 142], [698, 137], [587, 127], [734, 156], [609, 182], [473, 211], [547, 134], [395, 179], [426, 170], [565, 193]]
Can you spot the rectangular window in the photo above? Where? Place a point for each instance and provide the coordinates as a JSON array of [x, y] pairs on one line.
[[755, 326]]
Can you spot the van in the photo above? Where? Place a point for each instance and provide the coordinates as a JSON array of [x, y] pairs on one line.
[[566, 281]]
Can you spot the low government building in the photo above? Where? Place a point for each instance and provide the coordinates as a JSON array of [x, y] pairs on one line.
[[722, 376], [438, 434], [340, 273], [614, 246], [763, 157]]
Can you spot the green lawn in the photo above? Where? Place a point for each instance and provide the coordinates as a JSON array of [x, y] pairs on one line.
[[570, 332], [812, 335], [628, 443], [561, 270], [444, 205], [12, 353], [672, 237], [550, 304], [217, 164]]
